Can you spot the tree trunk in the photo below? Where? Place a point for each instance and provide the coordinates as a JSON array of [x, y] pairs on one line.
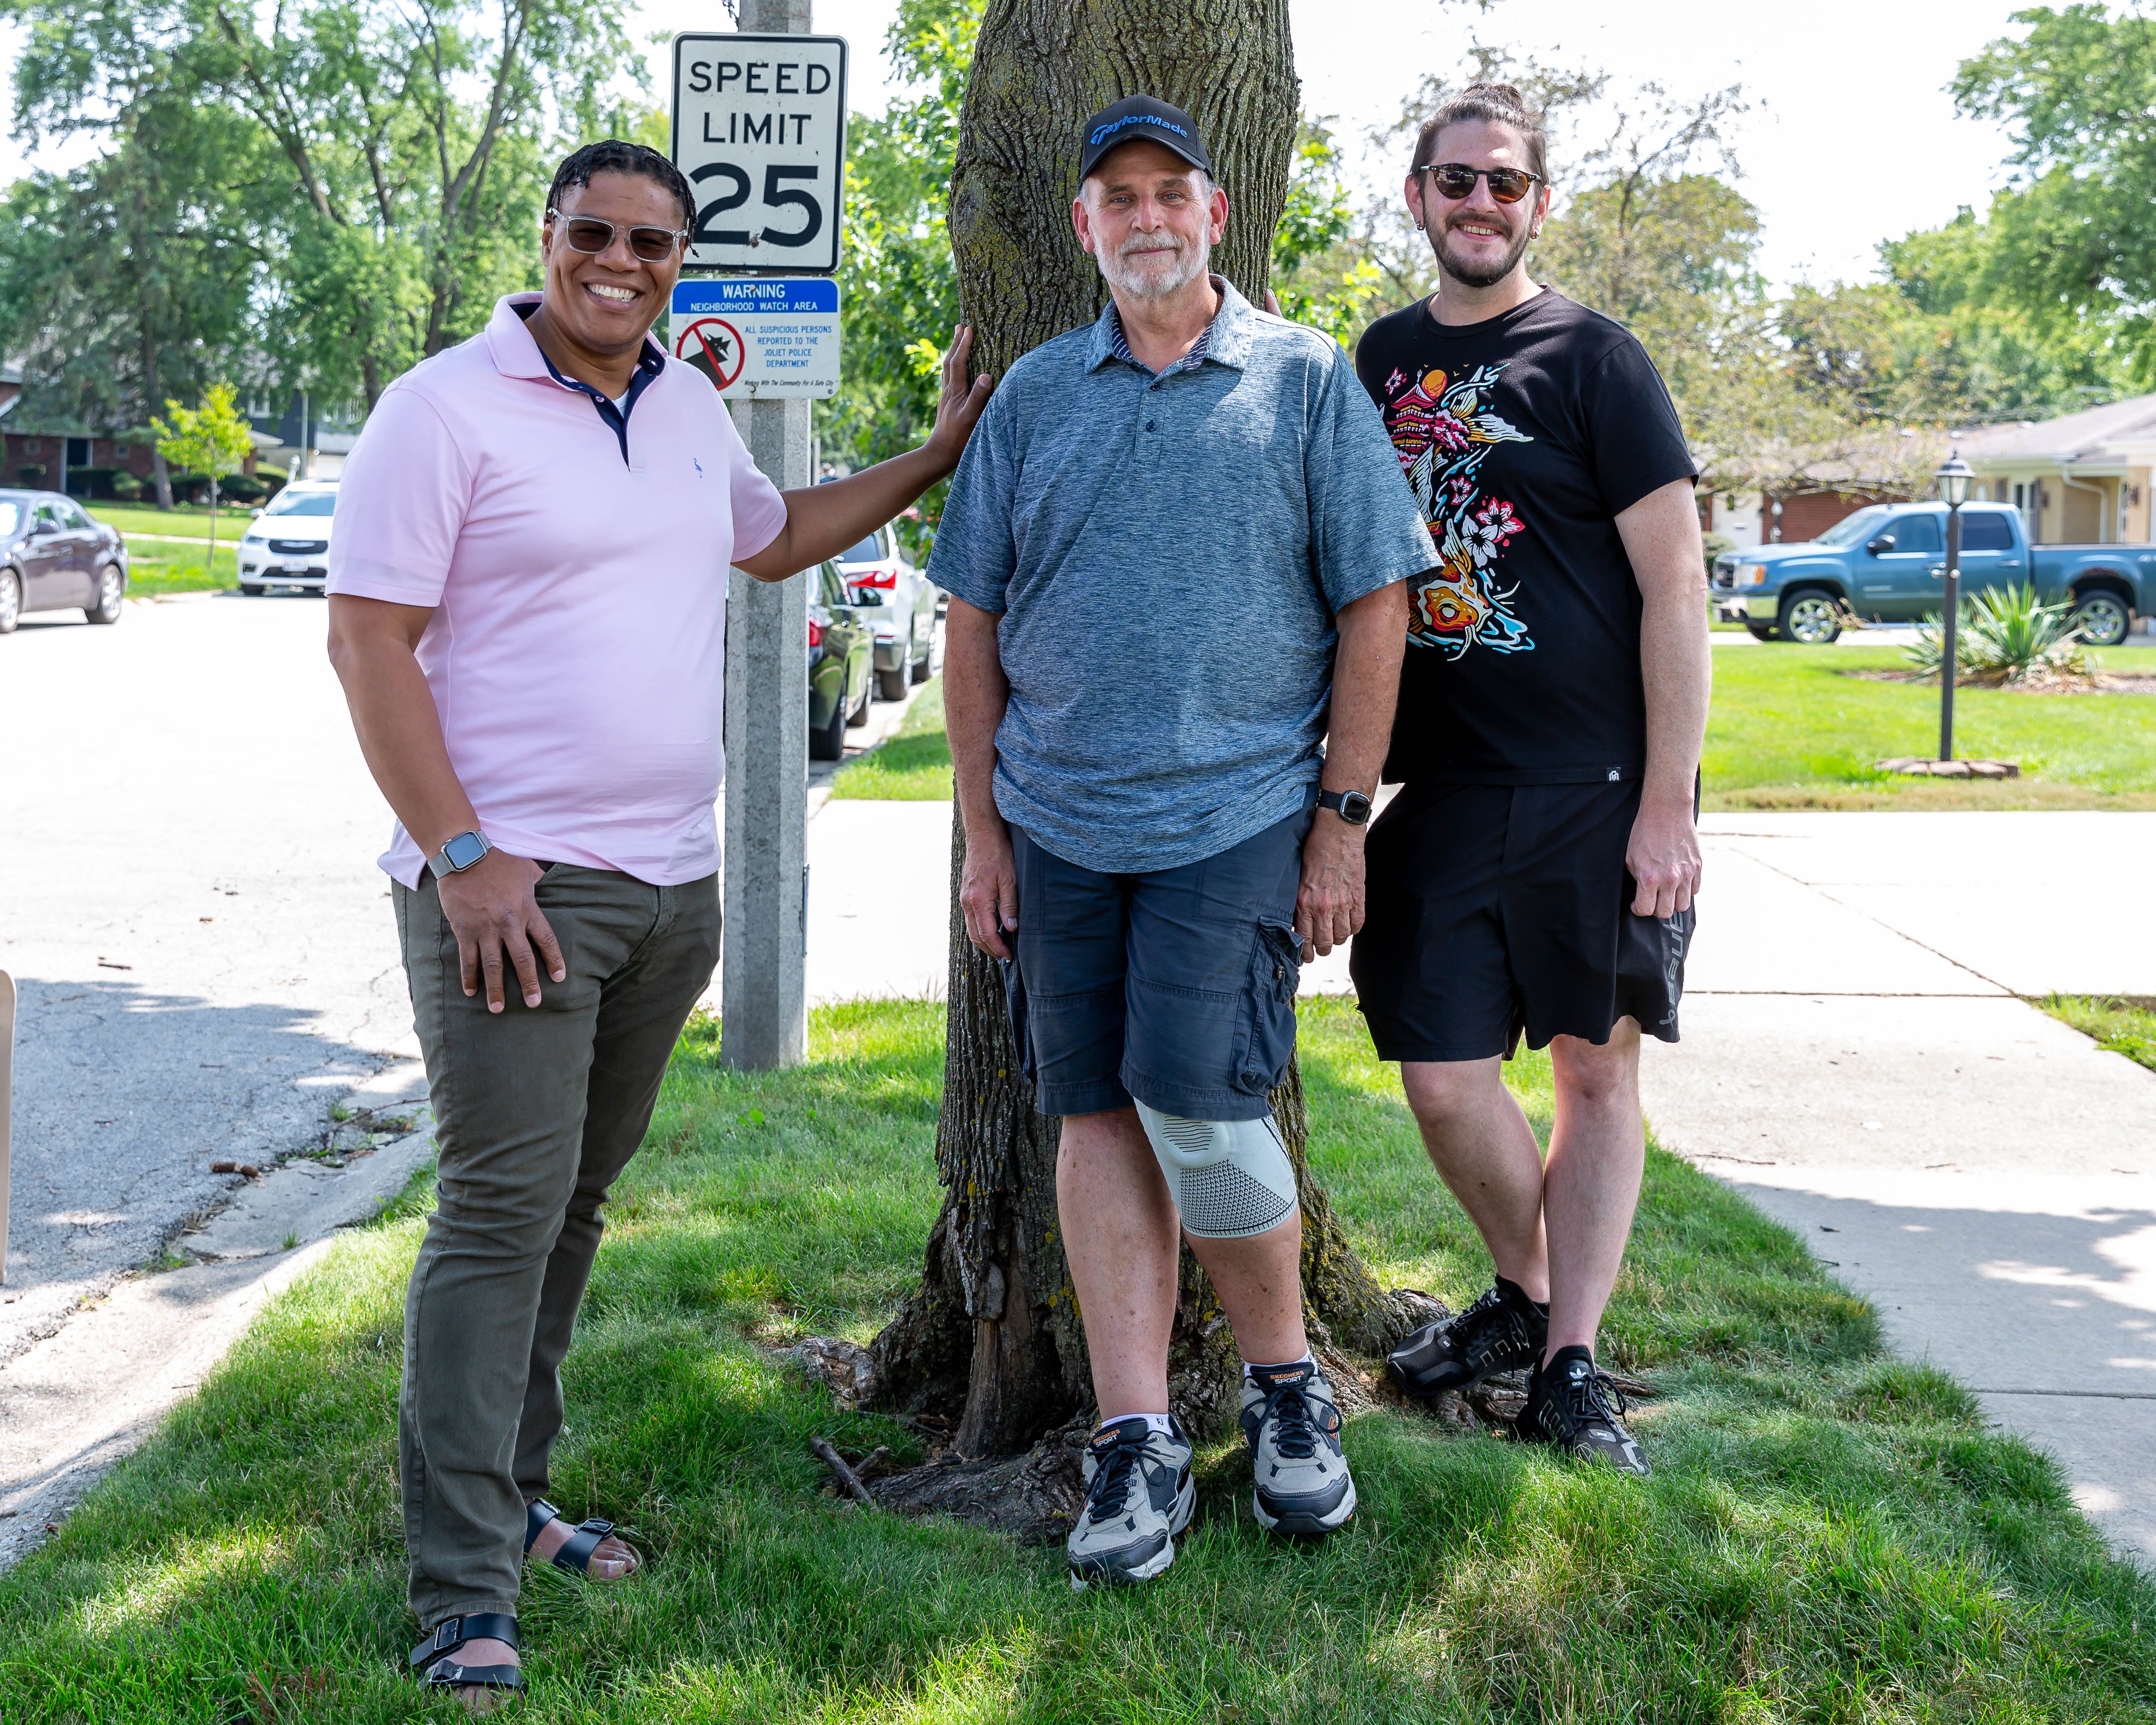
[[991, 1341]]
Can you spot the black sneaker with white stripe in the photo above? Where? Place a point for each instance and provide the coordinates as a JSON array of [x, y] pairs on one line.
[[1139, 1496], [1503, 1330], [1574, 1407]]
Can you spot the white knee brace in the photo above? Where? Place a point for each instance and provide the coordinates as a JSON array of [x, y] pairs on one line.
[[1229, 1178]]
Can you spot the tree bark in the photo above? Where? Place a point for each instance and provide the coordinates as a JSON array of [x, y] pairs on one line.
[[991, 1341]]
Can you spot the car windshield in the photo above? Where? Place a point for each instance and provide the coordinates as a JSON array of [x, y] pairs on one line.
[[302, 503], [867, 552], [1854, 529]]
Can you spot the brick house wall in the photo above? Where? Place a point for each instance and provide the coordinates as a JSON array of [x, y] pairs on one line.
[[27, 450], [1806, 515]]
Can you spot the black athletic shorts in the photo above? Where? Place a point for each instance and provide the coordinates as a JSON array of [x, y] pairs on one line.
[[1176, 987], [1497, 911]]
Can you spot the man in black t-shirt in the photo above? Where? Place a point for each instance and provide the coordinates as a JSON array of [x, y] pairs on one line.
[[1535, 875]]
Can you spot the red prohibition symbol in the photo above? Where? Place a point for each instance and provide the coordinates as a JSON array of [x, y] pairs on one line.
[[719, 345]]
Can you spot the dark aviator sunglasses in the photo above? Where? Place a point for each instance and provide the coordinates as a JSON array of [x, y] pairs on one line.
[[1455, 179], [590, 235]]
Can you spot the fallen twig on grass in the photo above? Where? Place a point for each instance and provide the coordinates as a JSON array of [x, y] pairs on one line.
[[847, 1477]]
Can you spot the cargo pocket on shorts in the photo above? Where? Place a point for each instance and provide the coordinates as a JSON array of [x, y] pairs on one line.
[[1021, 1024], [1267, 1043]]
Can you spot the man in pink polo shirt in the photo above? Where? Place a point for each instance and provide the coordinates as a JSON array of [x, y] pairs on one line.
[[527, 612]]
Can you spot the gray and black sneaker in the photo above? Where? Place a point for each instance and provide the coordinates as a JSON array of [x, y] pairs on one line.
[[1503, 1330], [1139, 1496], [1569, 1404], [1293, 1428]]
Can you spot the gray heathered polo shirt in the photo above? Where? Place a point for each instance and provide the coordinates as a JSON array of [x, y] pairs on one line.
[[1168, 554]]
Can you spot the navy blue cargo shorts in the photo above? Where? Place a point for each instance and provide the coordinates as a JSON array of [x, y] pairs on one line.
[[1177, 987]]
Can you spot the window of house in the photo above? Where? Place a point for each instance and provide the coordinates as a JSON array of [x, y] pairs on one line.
[[119, 452]]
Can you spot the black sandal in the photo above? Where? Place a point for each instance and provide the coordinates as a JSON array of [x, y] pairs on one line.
[[575, 1555], [430, 1658]]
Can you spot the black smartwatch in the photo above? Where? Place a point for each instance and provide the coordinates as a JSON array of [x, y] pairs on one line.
[[1351, 806]]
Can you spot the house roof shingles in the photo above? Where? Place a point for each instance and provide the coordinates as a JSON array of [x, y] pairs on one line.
[[2105, 434]]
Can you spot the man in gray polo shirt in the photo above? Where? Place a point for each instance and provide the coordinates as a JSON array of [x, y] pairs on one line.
[[1175, 548]]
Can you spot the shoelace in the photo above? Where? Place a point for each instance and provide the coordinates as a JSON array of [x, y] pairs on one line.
[[1508, 1333], [1114, 1474], [1589, 1398], [1295, 1434]]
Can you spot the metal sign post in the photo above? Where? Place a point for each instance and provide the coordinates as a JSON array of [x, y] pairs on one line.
[[759, 130]]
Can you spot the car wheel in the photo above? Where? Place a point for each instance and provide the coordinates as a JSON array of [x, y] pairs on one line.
[[111, 589], [2102, 618], [891, 685], [829, 743], [1763, 631], [1811, 617], [859, 716], [11, 601], [253, 590], [926, 666]]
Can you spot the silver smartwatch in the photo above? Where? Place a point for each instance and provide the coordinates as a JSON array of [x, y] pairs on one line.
[[459, 854]]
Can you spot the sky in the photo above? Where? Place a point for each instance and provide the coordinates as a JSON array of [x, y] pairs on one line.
[[1851, 137]]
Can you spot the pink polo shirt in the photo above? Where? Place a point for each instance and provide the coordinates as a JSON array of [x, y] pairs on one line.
[[577, 647]]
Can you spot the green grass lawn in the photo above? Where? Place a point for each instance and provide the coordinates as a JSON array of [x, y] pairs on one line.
[[1829, 1535], [154, 568], [2126, 1025], [1791, 728], [913, 765], [186, 521]]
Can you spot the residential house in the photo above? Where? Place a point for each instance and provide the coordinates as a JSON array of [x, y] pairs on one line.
[[2081, 479]]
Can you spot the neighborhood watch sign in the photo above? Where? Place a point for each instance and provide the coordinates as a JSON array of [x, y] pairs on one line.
[[758, 336]]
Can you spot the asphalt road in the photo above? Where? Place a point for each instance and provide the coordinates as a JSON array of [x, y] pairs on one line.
[[190, 907]]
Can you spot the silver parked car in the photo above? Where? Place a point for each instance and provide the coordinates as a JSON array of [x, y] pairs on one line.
[[54, 557], [898, 602]]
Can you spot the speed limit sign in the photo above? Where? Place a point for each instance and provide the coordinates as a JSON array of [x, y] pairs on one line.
[[760, 129]]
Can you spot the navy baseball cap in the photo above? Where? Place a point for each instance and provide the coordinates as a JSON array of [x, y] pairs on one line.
[[1140, 116]]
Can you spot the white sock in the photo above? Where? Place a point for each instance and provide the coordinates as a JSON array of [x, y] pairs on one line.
[[1286, 1365], [1154, 1422]]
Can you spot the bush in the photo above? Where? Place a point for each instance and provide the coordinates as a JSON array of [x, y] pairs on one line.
[[127, 487], [2006, 638], [242, 488]]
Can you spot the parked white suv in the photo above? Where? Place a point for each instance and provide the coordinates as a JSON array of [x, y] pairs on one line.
[[289, 544], [898, 602]]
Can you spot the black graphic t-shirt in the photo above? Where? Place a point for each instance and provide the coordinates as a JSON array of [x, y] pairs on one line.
[[1523, 437]]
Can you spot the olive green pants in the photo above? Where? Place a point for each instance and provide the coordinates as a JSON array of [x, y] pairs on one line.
[[536, 1110]]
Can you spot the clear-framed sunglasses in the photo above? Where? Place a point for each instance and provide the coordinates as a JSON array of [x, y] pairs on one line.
[[592, 236]]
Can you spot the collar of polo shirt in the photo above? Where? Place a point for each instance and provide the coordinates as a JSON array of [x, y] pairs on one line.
[[518, 355], [1227, 338]]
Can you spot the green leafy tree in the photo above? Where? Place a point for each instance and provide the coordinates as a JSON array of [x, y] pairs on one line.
[[2071, 243], [395, 156], [211, 439], [1320, 275]]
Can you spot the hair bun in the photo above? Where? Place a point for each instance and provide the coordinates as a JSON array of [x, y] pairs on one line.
[[1498, 93]]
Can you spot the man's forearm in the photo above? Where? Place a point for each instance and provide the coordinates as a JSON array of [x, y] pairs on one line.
[[821, 520], [975, 694], [1366, 689], [1674, 666]]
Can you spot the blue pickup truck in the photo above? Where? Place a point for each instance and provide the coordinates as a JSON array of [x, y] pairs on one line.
[[1887, 563]]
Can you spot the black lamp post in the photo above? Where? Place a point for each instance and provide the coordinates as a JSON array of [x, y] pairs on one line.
[[1954, 481]]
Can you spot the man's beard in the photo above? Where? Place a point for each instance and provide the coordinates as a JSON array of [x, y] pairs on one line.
[[1475, 274], [1191, 256]]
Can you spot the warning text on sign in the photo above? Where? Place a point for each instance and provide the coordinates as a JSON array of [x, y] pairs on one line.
[[762, 336]]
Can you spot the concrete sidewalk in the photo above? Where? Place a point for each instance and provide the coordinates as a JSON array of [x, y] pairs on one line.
[[1856, 1062]]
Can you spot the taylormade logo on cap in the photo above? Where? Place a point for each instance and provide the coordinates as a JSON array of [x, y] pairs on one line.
[[1140, 118], [1109, 131]]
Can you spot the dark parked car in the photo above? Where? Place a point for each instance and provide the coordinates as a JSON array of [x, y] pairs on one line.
[[841, 665], [54, 557]]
